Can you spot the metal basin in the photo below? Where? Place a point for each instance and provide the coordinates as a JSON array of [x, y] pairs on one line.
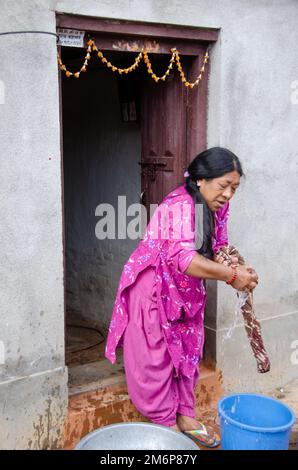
[[136, 436]]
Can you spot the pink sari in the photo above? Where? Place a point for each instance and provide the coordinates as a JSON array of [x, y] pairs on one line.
[[181, 298]]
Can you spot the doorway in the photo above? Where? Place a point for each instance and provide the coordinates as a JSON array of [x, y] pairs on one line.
[[101, 151], [113, 128]]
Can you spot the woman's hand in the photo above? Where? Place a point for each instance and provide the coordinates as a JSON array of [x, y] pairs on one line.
[[247, 278], [220, 259], [204, 268]]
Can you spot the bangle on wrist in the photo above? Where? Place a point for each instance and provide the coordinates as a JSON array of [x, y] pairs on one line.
[[234, 276]]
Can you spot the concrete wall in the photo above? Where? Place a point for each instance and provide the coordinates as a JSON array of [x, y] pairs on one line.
[[250, 111], [31, 260], [101, 155]]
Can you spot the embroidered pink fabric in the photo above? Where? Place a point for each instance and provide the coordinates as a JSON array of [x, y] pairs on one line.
[[169, 245]]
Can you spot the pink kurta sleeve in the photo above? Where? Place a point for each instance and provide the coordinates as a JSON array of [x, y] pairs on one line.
[[185, 257]]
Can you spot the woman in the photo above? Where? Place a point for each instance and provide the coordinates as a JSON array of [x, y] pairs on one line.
[[159, 309]]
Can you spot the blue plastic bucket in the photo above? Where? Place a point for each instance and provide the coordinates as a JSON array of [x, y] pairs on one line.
[[254, 422]]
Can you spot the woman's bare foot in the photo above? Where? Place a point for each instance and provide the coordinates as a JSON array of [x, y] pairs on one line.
[[176, 428], [186, 423]]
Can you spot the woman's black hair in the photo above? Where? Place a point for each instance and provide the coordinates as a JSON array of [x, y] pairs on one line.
[[209, 164]]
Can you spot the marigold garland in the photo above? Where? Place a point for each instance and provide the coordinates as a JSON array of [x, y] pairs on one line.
[[142, 55]]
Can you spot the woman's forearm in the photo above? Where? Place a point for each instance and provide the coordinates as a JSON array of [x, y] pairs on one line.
[[207, 269]]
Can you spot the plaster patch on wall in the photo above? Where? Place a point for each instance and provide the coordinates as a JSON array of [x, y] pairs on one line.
[[294, 94]]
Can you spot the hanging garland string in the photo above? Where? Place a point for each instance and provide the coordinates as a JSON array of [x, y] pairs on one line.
[[142, 55]]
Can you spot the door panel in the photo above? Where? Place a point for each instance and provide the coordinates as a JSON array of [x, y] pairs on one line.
[[173, 126], [197, 107], [163, 127]]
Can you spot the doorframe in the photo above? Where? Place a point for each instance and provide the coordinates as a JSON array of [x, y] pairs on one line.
[[111, 34], [136, 29]]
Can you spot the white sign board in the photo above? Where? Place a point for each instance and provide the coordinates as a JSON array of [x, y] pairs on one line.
[[70, 37]]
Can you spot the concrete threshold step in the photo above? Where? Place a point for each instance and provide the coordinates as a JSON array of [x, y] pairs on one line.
[[95, 376], [107, 402]]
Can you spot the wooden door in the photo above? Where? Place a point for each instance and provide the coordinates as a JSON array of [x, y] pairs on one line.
[[173, 127]]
